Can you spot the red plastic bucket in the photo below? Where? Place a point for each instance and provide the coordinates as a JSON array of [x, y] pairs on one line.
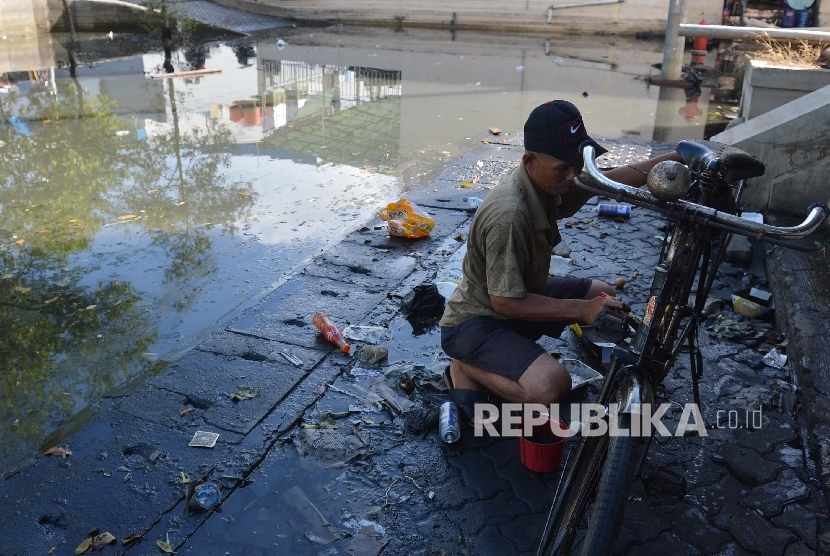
[[542, 450]]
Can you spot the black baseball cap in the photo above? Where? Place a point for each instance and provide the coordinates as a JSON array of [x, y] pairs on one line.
[[556, 128]]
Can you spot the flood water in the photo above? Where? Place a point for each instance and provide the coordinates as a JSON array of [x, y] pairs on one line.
[[138, 214]]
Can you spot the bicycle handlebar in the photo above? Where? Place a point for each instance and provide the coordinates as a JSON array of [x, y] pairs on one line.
[[592, 180]]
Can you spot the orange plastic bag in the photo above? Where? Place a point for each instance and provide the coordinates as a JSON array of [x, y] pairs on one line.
[[407, 219]]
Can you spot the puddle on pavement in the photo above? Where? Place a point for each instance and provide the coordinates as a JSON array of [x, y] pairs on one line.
[[334, 484], [134, 212], [351, 478]]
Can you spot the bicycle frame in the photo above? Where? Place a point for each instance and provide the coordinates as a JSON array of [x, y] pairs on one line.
[[637, 370]]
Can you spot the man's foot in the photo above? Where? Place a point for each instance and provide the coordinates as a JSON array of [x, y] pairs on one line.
[[464, 398]]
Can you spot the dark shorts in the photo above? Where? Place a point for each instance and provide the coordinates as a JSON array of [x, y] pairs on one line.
[[507, 347]]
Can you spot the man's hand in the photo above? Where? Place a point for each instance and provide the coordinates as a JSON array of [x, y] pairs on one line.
[[595, 305]]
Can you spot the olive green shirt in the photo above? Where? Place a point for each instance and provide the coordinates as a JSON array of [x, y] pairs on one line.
[[509, 246]]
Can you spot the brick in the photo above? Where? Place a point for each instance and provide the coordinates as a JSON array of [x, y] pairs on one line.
[[747, 465]]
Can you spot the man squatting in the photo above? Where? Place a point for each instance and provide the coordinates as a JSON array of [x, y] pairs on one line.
[[506, 300]]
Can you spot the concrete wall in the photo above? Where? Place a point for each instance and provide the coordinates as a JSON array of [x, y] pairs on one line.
[[792, 141], [767, 86], [629, 17], [100, 15], [24, 34], [823, 16], [19, 18]]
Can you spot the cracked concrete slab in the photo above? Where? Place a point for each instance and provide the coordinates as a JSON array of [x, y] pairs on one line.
[[204, 382], [286, 315], [252, 348], [155, 457], [800, 521], [771, 498]]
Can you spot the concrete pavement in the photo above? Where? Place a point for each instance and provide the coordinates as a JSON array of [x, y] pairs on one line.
[[305, 468]]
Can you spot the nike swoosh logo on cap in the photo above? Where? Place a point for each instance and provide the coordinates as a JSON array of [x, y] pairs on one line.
[[574, 129]]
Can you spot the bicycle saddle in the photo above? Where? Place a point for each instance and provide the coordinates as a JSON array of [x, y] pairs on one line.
[[731, 163]]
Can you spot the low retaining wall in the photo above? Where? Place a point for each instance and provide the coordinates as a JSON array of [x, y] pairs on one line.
[[767, 86], [99, 15], [534, 16], [792, 141]]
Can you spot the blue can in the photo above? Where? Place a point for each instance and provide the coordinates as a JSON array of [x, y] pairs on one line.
[[607, 209]]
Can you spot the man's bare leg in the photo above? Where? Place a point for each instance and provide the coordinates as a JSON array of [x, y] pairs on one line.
[[545, 381], [598, 286]]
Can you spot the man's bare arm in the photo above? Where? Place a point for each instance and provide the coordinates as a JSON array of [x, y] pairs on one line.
[[535, 307]]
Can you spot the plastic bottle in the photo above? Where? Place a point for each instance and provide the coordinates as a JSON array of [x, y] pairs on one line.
[[330, 331], [803, 18], [449, 428], [473, 202]]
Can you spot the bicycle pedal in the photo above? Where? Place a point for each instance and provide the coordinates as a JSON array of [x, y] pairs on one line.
[[611, 325]]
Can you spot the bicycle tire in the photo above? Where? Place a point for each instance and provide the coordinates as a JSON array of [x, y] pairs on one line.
[[568, 512], [591, 518], [612, 493]]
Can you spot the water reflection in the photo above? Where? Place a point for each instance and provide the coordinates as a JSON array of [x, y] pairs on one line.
[[134, 212], [69, 176], [341, 114]]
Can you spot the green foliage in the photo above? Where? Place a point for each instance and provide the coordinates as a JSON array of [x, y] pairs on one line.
[[152, 19], [67, 341]]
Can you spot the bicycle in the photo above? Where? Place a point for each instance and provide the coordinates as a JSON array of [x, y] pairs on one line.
[[701, 200]]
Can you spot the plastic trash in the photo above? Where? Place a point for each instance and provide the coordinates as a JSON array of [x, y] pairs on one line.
[[369, 334], [449, 428], [330, 331], [560, 266], [205, 496], [281, 44], [372, 355], [291, 358], [473, 202], [446, 288], [406, 219], [204, 439], [775, 359], [423, 301]]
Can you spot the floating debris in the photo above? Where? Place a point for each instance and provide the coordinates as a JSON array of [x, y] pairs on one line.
[[58, 451], [243, 393]]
